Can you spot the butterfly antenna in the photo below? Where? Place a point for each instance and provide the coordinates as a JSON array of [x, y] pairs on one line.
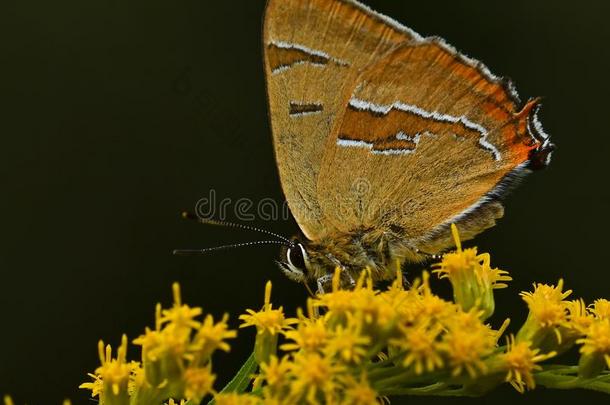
[[188, 252], [206, 221]]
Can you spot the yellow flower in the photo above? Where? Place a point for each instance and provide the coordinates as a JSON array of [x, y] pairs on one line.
[[180, 317], [198, 383], [601, 309], [360, 300], [471, 276], [400, 300], [315, 378], [579, 319], [210, 337], [96, 386], [268, 319], [359, 392], [420, 345], [466, 349], [547, 304], [275, 372], [347, 342], [269, 322], [547, 313], [114, 375], [310, 335], [152, 340], [595, 348], [520, 360], [430, 306]]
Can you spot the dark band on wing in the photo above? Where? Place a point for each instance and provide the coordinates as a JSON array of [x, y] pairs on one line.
[[304, 108], [283, 55]]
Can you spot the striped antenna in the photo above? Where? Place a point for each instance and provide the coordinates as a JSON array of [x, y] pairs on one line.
[[207, 221], [189, 252]]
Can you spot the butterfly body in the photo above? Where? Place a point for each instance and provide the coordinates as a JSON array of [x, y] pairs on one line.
[[382, 252], [384, 138]]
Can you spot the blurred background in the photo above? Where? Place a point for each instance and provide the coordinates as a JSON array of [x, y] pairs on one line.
[[118, 115]]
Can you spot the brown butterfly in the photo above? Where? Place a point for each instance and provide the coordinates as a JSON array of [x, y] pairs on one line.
[[384, 138]]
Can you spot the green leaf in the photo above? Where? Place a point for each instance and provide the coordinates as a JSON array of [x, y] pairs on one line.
[[240, 382]]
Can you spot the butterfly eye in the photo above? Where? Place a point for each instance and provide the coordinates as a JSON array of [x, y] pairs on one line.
[[296, 256]]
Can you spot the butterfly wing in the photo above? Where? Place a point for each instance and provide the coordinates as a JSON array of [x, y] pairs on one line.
[[427, 137], [314, 50]]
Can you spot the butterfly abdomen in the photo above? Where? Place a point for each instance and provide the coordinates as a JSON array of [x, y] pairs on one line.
[[380, 252]]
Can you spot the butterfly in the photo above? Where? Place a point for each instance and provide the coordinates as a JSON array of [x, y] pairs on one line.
[[384, 138]]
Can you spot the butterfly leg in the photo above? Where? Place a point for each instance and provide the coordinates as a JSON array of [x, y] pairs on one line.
[[323, 281], [346, 280], [351, 280]]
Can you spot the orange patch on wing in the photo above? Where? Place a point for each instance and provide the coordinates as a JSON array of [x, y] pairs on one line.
[[397, 129]]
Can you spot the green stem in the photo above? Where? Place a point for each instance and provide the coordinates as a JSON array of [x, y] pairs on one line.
[[240, 382], [437, 389], [558, 379], [404, 378]]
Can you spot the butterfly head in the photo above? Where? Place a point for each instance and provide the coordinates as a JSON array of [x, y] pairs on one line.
[[295, 261]]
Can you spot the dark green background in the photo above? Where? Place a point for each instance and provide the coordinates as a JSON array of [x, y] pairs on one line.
[[118, 114]]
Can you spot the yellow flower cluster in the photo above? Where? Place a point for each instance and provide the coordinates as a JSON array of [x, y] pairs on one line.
[[353, 346], [176, 359], [363, 344], [472, 278]]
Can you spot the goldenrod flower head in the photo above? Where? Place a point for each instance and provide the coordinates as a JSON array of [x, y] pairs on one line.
[[269, 323], [347, 342], [339, 303], [579, 318], [359, 392], [466, 348], [180, 317], [114, 374], [421, 346], [597, 340], [198, 382], [601, 309], [175, 359], [96, 386], [211, 336], [152, 340], [546, 303], [429, 305], [275, 372], [398, 298], [152, 344], [521, 361], [471, 276], [267, 320], [547, 326], [310, 335], [315, 378]]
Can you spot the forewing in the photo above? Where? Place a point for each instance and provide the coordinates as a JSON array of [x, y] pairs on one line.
[[427, 138], [314, 50]]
